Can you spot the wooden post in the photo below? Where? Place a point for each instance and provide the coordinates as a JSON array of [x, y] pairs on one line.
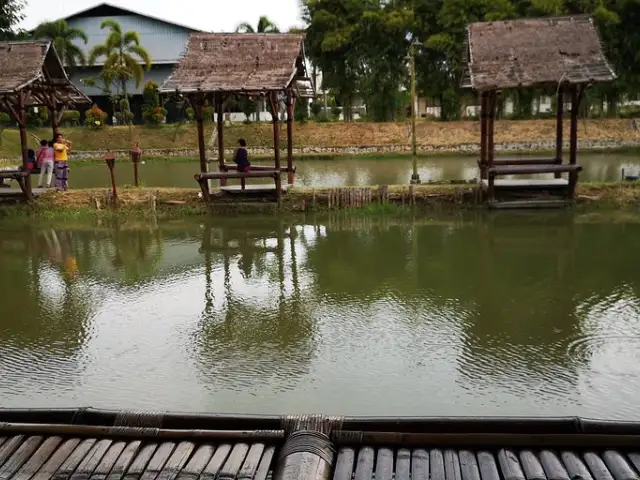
[[490, 127], [220, 123], [110, 160], [21, 118], [198, 107], [576, 98], [483, 135], [276, 130], [559, 126], [290, 105]]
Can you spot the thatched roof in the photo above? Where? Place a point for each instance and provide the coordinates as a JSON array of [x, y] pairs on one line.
[[239, 62], [535, 52], [35, 65]]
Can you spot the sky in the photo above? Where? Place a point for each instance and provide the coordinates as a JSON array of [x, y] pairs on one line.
[[208, 15]]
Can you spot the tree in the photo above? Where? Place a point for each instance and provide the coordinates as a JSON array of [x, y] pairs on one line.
[[264, 26], [10, 16], [124, 59], [63, 39]]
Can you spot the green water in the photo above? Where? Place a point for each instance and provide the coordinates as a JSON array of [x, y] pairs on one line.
[[524, 314], [354, 171]]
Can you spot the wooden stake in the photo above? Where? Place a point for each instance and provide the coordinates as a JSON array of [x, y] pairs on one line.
[[559, 126], [290, 107]]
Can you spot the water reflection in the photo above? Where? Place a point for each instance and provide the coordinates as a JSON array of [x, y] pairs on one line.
[[467, 314]]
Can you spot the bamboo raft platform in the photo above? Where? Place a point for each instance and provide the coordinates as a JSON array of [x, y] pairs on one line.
[[89, 444]]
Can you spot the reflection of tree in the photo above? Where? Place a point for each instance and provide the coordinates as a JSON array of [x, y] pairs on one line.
[[268, 341]]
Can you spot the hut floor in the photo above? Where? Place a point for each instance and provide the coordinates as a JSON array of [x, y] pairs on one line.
[[365, 463], [254, 189], [528, 182], [17, 192], [25, 457]]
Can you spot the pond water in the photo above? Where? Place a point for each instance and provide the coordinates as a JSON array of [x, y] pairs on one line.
[[353, 171], [479, 314]]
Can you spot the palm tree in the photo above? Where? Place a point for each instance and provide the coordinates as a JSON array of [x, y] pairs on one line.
[[124, 58], [63, 39], [264, 26]]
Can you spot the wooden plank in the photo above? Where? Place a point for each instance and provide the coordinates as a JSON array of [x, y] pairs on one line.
[[108, 461], [575, 466], [528, 183], [38, 459], [251, 462], [528, 204], [140, 462], [344, 464], [177, 461], [124, 460], [384, 464], [524, 161], [531, 466], [419, 465], [253, 188], [488, 466], [56, 460], [635, 459], [364, 466], [218, 175], [510, 465], [158, 460], [597, 466], [469, 465], [403, 464], [532, 169], [72, 462], [231, 467], [265, 464], [196, 465], [436, 463], [19, 457], [552, 465], [91, 460], [10, 446], [452, 469], [2, 440], [215, 464], [618, 466]]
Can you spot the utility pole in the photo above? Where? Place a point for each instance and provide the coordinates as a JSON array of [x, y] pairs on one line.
[[415, 178]]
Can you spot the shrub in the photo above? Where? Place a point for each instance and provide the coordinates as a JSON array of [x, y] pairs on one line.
[[152, 112], [37, 119], [316, 108], [70, 117], [301, 110], [5, 120], [95, 117], [323, 117], [335, 112]]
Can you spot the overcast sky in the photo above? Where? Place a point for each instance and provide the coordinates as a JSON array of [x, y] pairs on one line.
[[209, 15]]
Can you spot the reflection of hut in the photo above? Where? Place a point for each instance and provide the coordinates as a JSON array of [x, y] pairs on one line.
[[562, 53], [33, 76], [239, 337], [217, 67]]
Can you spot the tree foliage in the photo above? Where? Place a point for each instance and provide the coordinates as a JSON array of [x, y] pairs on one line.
[[264, 25], [64, 40], [10, 16], [361, 47]]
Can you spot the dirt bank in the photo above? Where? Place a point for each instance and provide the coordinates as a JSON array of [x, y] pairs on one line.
[[176, 203], [310, 136]]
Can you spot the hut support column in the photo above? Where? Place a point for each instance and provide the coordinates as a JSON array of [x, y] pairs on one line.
[[491, 101], [576, 98], [559, 126], [220, 125], [483, 136], [290, 105], [276, 145], [20, 115], [198, 108]]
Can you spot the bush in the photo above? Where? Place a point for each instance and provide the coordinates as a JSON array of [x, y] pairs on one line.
[[37, 119], [5, 120], [301, 110], [335, 112], [316, 108], [154, 116], [152, 112], [323, 117], [71, 117], [95, 117]]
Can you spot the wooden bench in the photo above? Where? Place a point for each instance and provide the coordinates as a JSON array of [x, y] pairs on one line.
[[532, 169], [16, 174], [230, 167], [525, 161], [202, 178]]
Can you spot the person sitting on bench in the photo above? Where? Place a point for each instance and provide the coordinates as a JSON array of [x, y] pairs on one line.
[[241, 159]]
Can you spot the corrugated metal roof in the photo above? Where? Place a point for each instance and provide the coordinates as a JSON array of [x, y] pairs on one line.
[[225, 62], [535, 51]]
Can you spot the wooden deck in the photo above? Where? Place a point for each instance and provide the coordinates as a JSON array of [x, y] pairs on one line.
[[521, 183], [43, 458], [17, 192]]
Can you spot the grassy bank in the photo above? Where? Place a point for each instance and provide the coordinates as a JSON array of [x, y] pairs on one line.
[[335, 134], [178, 203]]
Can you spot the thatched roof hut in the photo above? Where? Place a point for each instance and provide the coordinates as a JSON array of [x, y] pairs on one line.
[[535, 52], [35, 65], [240, 63]]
